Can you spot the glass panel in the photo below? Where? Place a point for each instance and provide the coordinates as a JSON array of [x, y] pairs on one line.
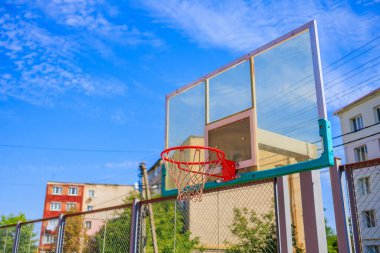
[[234, 139], [187, 117], [186, 121], [230, 92], [287, 113]]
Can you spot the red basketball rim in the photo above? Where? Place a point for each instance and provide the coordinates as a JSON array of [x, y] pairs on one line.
[[219, 153]]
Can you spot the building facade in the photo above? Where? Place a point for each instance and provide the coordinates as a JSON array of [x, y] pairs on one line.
[[359, 122], [360, 125], [63, 197], [155, 177]]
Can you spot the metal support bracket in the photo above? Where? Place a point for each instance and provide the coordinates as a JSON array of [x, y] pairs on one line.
[[325, 160]]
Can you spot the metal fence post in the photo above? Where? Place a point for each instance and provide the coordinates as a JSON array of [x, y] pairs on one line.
[[354, 214], [135, 214], [17, 238], [313, 216], [284, 227], [105, 234], [341, 221], [61, 232]]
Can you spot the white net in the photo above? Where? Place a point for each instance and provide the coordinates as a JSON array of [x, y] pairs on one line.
[[191, 168]]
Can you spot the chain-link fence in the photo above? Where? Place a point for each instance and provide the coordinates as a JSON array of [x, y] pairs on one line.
[[38, 236], [7, 236], [98, 231], [363, 186], [239, 218], [232, 219], [105, 230]]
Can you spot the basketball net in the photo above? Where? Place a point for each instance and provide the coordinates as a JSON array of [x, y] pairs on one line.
[[191, 167]]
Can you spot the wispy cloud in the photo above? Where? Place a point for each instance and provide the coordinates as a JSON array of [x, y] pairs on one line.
[[241, 26], [40, 62], [98, 19], [121, 117], [122, 165], [244, 25]]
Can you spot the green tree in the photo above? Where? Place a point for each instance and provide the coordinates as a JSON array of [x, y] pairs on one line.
[[114, 235], [171, 228], [332, 239], [74, 236], [256, 233], [28, 239]]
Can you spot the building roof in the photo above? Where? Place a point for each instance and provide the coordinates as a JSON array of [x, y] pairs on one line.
[[73, 183], [358, 101]]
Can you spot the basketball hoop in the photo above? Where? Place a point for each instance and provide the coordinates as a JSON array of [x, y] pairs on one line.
[[192, 166]]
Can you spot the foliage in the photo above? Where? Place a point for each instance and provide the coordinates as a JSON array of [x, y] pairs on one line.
[[74, 235], [171, 227], [256, 233], [131, 196], [113, 236], [332, 239], [296, 248], [115, 233], [28, 238]]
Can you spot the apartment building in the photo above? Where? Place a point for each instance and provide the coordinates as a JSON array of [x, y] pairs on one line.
[[360, 125], [62, 197], [155, 177]]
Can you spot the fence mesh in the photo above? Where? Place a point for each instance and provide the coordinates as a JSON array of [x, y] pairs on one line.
[[230, 220], [7, 235], [98, 232], [367, 204]]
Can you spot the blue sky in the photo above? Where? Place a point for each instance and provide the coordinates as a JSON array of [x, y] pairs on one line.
[[93, 75]]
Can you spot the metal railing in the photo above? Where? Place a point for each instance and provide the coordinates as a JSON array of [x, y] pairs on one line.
[[363, 188], [231, 219]]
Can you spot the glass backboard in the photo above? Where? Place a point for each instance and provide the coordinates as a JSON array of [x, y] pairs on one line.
[[266, 110]]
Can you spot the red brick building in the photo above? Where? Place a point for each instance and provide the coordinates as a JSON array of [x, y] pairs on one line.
[[64, 197], [60, 198]]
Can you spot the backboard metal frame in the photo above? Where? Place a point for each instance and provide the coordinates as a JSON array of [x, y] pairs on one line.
[[250, 113], [327, 157]]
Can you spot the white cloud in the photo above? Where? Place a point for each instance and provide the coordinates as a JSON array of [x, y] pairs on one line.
[[244, 25], [119, 117], [43, 65], [96, 18], [122, 165], [49, 61], [241, 26]]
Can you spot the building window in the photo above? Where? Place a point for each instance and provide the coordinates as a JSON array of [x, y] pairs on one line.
[[361, 153], [357, 123], [57, 190], [48, 239], [55, 206], [91, 193], [377, 114], [364, 185], [70, 206], [89, 208], [369, 218], [73, 190], [372, 249], [52, 224], [88, 224]]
